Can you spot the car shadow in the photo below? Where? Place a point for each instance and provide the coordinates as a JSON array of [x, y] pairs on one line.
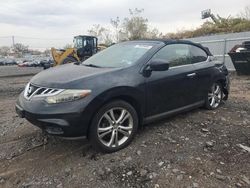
[[168, 120]]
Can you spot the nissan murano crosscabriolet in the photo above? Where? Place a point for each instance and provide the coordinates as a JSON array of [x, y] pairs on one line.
[[111, 94]]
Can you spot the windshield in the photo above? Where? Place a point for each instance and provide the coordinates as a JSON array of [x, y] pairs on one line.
[[119, 55], [78, 42]]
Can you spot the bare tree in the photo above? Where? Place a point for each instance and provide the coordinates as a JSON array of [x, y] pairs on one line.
[[246, 13], [116, 24], [96, 30], [107, 37], [103, 34], [4, 50], [153, 34], [47, 52], [135, 26], [20, 48]]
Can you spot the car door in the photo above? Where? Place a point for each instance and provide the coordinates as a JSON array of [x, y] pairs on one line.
[[203, 69], [174, 88]]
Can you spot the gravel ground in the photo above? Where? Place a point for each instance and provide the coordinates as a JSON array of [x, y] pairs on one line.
[[196, 149], [18, 71]]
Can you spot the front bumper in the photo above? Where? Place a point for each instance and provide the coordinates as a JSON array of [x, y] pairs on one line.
[[55, 120]]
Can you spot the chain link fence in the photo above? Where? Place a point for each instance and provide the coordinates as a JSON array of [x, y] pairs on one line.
[[220, 45]]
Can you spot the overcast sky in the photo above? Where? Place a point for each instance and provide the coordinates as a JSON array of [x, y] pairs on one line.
[[59, 19]]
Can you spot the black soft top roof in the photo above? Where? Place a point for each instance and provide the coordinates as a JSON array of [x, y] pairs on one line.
[[177, 41], [87, 36]]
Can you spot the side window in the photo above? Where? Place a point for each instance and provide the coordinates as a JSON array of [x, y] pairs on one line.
[[175, 54], [197, 54]]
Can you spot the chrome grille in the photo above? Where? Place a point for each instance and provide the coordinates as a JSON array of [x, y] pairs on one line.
[[32, 90]]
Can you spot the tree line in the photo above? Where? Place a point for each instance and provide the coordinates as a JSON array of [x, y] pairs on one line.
[[135, 26], [220, 25]]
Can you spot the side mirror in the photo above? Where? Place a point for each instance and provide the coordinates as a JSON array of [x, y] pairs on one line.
[[158, 65]]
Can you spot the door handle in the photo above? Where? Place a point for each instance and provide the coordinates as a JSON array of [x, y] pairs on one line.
[[191, 75]]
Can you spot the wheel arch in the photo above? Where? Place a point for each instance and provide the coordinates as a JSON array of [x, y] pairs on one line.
[[127, 94], [223, 83], [132, 101], [221, 77]]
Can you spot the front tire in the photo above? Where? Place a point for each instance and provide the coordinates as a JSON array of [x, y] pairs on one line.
[[113, 127], [214, 96]]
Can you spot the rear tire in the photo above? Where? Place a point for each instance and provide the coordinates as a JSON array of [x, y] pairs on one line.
[[214, 96], [113, 126], [69, 60]]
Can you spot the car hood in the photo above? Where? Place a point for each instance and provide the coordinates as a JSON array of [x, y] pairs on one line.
[[64, 76]]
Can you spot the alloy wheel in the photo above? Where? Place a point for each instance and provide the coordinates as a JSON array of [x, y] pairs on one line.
[[215, 95], [115, 127]]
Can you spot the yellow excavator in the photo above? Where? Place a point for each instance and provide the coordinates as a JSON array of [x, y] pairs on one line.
[[84, 47]]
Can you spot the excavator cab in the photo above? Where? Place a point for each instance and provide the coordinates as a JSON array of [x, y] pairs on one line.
[[85, 46]]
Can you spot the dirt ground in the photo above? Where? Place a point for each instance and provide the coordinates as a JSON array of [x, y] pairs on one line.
[[196, 149]]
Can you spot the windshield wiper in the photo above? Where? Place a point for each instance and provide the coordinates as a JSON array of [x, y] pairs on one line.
[[92, 65]]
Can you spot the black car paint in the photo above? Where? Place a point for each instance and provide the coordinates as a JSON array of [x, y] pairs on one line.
[[133, 84]]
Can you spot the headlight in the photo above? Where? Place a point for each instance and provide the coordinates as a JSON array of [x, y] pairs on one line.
[[67, 96]]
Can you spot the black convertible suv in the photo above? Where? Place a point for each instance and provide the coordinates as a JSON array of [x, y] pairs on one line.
[[111, 94]]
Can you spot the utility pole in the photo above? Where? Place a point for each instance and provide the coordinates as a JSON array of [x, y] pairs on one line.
[[13, 41]]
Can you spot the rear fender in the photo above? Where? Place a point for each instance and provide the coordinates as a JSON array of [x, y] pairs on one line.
[[222, 77]]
